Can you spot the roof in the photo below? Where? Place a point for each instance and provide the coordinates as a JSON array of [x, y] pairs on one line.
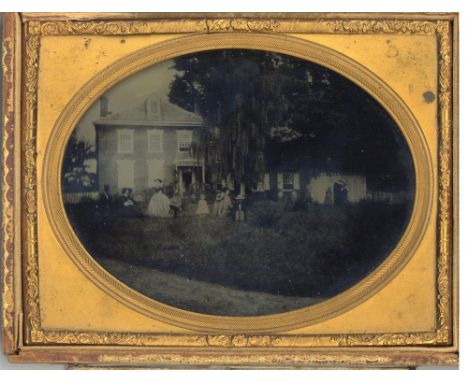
[[153, 111]]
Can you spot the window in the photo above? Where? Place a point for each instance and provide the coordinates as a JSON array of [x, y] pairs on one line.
[[155, 141], [266, 181], [184, 140], [263, 184], [125, 141], [288, 181], [155, 171], [125, 173]]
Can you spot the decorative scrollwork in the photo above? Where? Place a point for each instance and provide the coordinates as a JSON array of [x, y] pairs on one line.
[[232, 341], [111, 28], [158, 26], [234, 24], [445, 184], [384, 26], [30, 179], [276, 360], [241, 25]]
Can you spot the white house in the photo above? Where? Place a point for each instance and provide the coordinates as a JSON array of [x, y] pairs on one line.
[[332, 188], [150, 140]]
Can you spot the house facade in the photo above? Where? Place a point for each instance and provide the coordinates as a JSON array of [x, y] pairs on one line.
[[337, 188], [152, 140], [157, 139]]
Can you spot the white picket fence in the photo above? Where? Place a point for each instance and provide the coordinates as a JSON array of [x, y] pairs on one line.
[[387, 197], [76, 197]]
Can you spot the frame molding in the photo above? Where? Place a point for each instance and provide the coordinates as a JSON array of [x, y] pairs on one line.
[[153, 54], [441, 27]]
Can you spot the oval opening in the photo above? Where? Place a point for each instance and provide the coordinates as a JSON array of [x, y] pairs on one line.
[[238, 182]]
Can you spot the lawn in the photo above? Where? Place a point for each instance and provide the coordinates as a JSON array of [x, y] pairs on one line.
[[312, 252]]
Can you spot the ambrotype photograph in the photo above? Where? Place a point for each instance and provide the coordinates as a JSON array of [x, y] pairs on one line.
[[238, 182]]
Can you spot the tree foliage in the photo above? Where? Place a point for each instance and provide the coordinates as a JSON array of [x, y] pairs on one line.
[[76, 177], [277, 111]]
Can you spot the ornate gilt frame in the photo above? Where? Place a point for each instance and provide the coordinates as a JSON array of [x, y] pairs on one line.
[[24, 339]]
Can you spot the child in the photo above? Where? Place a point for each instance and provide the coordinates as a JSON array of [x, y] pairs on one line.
[[218, 204], [202, 208], [240, 214], [226, 202]]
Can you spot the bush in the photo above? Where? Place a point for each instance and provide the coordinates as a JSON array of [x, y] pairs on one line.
[[266, 213]]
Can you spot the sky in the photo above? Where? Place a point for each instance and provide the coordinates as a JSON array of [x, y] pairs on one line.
[[127, 93]]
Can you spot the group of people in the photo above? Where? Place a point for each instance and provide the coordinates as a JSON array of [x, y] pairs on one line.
[[160, 205], [223, 202]]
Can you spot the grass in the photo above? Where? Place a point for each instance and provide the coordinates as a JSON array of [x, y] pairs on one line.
[[313, 252]]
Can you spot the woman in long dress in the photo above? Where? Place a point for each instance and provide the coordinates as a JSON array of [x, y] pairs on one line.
[[159, 205]]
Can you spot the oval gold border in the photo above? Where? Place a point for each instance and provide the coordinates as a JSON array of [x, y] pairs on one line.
[[137, 61]]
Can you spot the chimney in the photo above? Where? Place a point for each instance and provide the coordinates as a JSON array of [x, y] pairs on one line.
[[104, 102], [160, 109]]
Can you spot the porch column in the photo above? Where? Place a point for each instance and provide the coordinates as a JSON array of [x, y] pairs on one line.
[[194, 179], [181, 182], [242, 190]]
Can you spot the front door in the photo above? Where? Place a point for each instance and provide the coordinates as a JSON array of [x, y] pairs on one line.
[[190, 178], [187, 177], [340, 193]]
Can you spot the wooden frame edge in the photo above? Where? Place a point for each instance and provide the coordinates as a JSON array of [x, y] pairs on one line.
[[215, 358], [443, 356], [455, 182], [99, 16], [10, 46]]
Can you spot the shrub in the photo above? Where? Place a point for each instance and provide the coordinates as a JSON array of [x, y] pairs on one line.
[[266, 213]]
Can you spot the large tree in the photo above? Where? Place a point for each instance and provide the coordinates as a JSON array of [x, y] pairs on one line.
[[276, 110]]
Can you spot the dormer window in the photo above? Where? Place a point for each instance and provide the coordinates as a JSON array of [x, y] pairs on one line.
[[153, 108]]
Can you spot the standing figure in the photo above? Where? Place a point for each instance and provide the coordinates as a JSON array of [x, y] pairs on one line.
[[219, 203], [105, 204], [340, 191], [226, 202], [105, 199], [159, 205], [240, 214], [176, 204], [328, 196], [202, 208]]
